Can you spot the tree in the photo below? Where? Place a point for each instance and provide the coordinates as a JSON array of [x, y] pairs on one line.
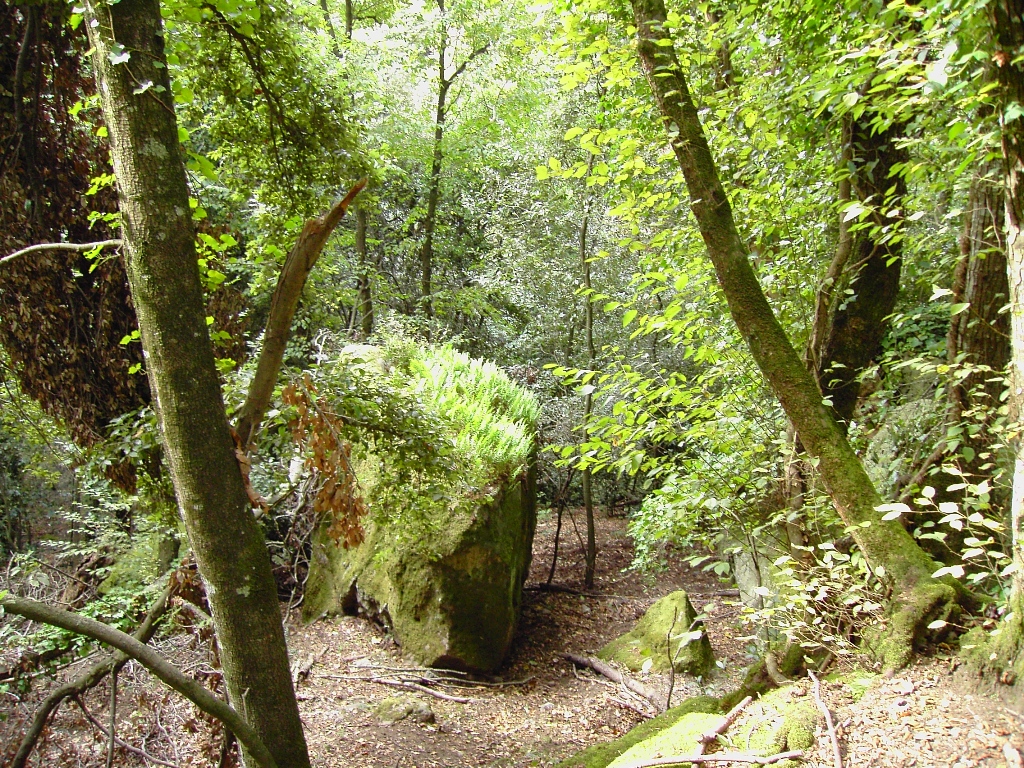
[[135, 92], [918, 598]]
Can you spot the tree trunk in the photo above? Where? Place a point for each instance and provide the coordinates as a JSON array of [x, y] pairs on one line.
[[166, 290], [434, 191], [981, 333], [365, 277], [1007, 18], [888, 548], [857, 322], [588, 407]]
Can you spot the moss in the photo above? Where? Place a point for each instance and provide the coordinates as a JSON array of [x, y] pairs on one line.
[[681, 737], [995, 661], [602, 755], [758, 681], [906, 630], [649, 639], [781, 721]]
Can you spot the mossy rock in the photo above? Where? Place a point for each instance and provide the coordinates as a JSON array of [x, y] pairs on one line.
[[681, 738], [603, 755], [395, 708], [649, 640], [450, 592], [782, 721]]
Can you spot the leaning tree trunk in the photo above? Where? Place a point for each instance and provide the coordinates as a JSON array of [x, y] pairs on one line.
[[889, 549], [166, 290]]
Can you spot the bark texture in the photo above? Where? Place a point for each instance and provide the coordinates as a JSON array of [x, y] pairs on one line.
[[1007, 18], [164, 279], [871, 261], [890, 550]]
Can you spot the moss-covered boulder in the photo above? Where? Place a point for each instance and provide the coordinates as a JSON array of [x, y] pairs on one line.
[[783, 720], [446, 551], [603, 755], [451, 595], [689, 647]]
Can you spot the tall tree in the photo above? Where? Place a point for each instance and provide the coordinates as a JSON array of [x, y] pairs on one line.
[[918, 598], [1004, 656], [135, 93], [447, 73]]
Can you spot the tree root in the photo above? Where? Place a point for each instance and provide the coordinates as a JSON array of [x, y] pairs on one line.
[[917, 617]]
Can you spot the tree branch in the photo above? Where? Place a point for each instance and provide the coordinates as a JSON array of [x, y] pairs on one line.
[[296, 269], [151, 660], [91, 677], [79, 247], [719, 757], [462, 67]]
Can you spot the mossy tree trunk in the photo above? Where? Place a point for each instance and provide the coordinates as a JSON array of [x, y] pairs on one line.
[[166, 290], [1007, 19], [890, 550]]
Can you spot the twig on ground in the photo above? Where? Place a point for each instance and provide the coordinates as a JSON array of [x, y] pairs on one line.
[[121, 743], [615, 676], [719, 757], [628, 705], [837, 758], [407, 684]]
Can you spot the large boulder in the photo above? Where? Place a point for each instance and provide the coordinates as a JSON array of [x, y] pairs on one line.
[[650, 641], [446, 491], [450, 592]]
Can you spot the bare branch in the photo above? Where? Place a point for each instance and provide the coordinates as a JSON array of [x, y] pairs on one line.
[[719, 757], [79, 247], [151, 660]]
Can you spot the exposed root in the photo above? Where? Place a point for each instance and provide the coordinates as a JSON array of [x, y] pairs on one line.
[[912, 618]]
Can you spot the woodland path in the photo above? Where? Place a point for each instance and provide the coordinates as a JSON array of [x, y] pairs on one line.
[[919, 718]]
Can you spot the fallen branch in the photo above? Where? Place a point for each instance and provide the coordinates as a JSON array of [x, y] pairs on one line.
[[151, 660], [543, 587], [720, 757], [710, 737], [407, 684], [79, 247], [615, 676], [120, 742], [837, 758], [91, 677]]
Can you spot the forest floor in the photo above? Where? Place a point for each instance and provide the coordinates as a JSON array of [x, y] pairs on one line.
[[547, 710]]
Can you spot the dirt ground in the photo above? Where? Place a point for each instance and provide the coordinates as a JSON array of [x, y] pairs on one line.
[[544, 710]]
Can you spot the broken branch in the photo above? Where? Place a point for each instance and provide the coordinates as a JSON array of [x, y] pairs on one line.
[[615, 676]]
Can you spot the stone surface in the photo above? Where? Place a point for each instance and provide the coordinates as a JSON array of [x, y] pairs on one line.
[[395, 708], [450, 592], [649, 640]]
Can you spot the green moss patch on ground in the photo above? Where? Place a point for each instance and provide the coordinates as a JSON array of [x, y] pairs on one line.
[[603, 755]]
